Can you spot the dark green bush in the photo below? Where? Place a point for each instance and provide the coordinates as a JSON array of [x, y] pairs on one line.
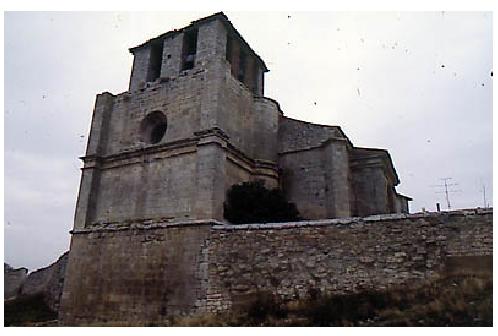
[[251, 202]]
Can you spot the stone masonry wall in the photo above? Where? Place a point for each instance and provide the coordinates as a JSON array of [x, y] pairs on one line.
[[317, 180], [339, 255], [144, 274], [314, 160], [134, 276], [369, 185], [304, 182], [296, 135], [160, 187]]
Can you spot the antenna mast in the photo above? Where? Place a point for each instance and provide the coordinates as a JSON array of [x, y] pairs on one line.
[[446, 191], [484, 195]]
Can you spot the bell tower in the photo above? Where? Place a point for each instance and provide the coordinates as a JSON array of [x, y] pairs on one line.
[[192, 47], [193, 122]]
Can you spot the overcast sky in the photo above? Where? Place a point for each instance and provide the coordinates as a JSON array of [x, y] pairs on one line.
[[417, 84]]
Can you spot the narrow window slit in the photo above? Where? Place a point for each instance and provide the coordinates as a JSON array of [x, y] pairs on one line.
[[156, 58], [189, 49]]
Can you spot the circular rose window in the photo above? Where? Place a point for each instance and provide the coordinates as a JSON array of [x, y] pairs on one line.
[[153, 127]]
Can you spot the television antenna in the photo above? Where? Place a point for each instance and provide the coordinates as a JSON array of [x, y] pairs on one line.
[[484, 195], [446, 191]]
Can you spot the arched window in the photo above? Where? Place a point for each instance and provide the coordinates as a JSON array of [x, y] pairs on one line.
[[153, 127]]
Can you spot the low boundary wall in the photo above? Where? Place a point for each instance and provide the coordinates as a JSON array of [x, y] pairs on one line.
[[146, 273]]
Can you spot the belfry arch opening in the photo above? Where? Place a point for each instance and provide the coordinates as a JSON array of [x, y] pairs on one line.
[[153, 127]]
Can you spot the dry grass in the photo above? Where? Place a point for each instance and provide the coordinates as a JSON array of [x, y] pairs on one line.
[[461, 300]]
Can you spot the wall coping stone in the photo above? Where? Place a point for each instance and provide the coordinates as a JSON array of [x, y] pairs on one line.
[[148, 226], [219, 225], [351, 220]]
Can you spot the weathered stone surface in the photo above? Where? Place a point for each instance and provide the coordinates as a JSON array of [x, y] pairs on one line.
[[139, 276], [13, 280], [135, 275], [219, 130], [48, 281], [347, 258]]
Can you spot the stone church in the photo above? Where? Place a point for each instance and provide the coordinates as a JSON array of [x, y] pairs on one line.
[[193, 123]]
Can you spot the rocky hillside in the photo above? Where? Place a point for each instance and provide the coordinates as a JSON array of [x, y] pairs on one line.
[[46, 282]]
